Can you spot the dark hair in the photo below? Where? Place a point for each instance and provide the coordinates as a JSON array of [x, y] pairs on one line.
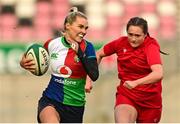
[[71, 17], [137, 21]]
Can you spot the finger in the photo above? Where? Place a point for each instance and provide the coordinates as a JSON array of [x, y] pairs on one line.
[[28, 60], [87, 90], [29, 63], [126, 85], [30, 67], [32, 71]]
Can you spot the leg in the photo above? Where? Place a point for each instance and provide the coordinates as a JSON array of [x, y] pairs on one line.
[[125, 110], [46, 111], [149, 115], [49, 115], [125, 113], [72, 114]]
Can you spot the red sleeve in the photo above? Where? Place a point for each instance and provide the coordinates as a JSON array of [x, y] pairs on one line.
[[46, 44], [153, 53], [111, 47]]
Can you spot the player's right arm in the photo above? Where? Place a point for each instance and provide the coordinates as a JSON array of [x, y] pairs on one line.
[[27, 64], [100, 54]]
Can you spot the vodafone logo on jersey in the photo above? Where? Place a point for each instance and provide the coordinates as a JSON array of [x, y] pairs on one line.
[[64, 71]]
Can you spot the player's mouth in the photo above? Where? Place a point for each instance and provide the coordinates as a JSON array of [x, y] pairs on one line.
[[134, 44], [81, 36]]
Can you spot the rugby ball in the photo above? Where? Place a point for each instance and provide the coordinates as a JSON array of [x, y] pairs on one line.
[[40, 56]]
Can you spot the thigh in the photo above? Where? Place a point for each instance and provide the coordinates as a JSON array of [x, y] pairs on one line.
[[71, 114], [148, 115], [49, 115], [51, 109], [47, 112], [125, 110]]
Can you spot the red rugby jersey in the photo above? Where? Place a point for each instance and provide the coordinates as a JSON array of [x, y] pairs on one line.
[[134, 63]]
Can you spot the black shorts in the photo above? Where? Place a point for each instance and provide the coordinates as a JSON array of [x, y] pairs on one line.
[[67, 113]]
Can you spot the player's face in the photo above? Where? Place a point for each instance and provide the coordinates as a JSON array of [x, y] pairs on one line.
[[135, 36], [78, 29]]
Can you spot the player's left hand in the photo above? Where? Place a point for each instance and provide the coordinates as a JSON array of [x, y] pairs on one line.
[[75, 46], [130, 84], [88, 85]]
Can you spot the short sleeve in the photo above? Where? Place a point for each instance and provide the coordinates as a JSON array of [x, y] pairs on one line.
[[110, 48], [46, 44], [153, 54], [90, 51]]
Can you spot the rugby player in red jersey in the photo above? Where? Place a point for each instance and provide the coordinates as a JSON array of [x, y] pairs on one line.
[[138, 96]]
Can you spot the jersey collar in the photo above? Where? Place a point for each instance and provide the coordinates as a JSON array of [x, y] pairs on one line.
[[65, 43]]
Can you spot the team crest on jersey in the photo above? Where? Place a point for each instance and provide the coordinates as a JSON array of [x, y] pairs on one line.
[[124, 50], [64, 71], [76, 59], [54, 55]]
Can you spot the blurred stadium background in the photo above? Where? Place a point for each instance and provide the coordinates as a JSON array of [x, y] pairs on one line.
[[23, 22]]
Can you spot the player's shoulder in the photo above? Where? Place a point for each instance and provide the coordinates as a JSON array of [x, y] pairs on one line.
[[55, 40], [88, 43], [151, 41], [52, 41], [120, 40]]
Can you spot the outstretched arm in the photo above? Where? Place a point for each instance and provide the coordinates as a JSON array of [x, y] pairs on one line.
[[99, 55]]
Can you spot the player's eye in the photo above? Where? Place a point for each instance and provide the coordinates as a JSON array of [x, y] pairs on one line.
[[130, 34], [86, 27]]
